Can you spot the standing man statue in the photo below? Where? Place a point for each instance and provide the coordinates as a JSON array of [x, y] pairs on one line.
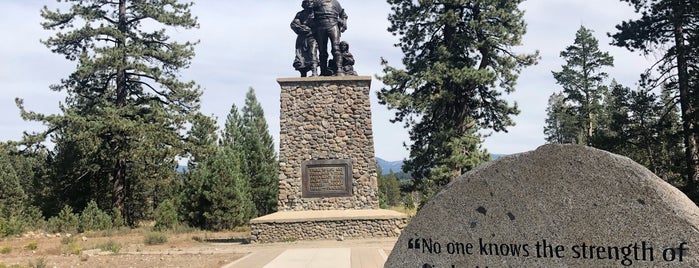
[[330, 21], [306, 46]]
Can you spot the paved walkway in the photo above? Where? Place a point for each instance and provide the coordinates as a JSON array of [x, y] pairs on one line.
[[315, 256]]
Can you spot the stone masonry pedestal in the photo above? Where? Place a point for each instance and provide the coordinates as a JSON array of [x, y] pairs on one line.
[[327, 171]]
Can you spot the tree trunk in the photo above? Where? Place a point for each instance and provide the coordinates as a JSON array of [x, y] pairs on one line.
[[686, 109], [119, 172]]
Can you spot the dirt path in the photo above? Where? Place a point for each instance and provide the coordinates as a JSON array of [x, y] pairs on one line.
[[188, 250]]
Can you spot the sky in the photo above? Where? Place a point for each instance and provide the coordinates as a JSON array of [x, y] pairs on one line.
[[248, 43]]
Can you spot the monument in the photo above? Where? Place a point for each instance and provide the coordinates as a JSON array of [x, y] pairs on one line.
[[558, 206], [328, 185]]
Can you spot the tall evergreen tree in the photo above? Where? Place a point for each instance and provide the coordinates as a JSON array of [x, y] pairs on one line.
[[671, 142], [202, 139], [12, 196], [216, 194], [645, 128], [458, 62], [560, 125], [120, 129], [389, 188], [583, 81], [670, 28], [232, 135], [613, 135], [260, 155]]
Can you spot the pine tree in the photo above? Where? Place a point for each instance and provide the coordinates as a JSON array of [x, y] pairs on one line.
[[670, 141], [560, 122], [458, 62], [12, 196], [260, 155], [669, 28], [389, 187], [216, 193], [202, 139], [644, 128], [613, 135], [583, 81], [119, 132]]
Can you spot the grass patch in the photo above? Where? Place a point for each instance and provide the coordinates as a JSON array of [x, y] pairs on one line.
[[40, 263], [2, 265], [72, 248], [289, 240], [111, 246], [241, 229], [32, 246], [70, 245], [67, 240], [155, 239], [6, 250]]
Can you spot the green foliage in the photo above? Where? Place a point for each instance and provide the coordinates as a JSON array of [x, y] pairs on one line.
[[646, 128], [583, 84], [66, 221], [94, 219], [202, 138], [11, 227], [409, 202], [119, 130], [117, 218], [389, 190], [12, 196], [70, 245], [217, 195], [32, 246], [260, 156], [667, 29], [110, 246], [155, 239], [66, 240], [458, 63], [166, 216], [561, 126], [5, 250]]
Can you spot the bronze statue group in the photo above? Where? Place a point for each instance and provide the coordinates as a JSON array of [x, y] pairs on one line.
[[321, 21]]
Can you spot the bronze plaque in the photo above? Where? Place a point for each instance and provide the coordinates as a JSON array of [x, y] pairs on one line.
[[326, 178]]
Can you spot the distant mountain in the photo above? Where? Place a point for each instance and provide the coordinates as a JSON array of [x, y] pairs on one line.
[[496, 156], [387, 166]]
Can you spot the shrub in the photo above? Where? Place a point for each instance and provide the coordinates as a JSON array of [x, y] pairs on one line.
[[40, 263], [71, 246], [67, 240], [32, 218], [408, 202], [117, 218], [94, 219], [6, 250], [32, 246], [66, 221], [155, 239], [11, 227], [110, 245], [166, 216]]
